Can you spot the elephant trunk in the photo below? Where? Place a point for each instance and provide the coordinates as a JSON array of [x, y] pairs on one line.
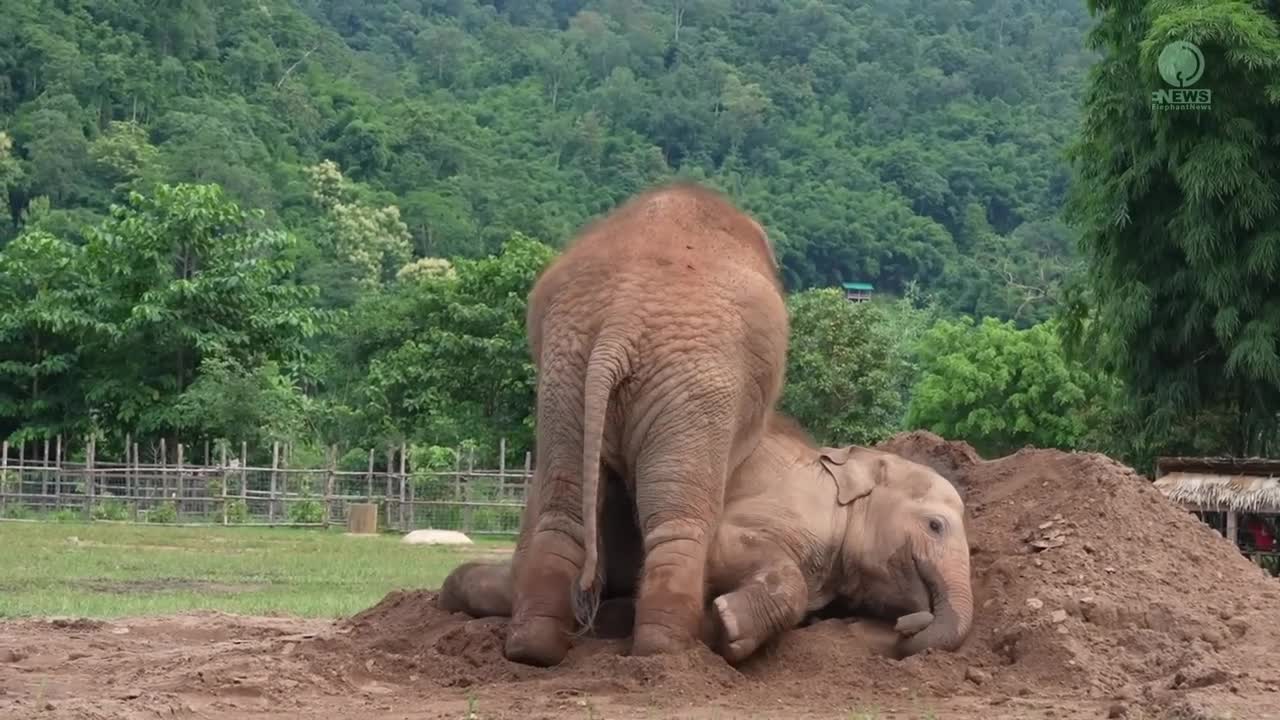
[[951, 598]]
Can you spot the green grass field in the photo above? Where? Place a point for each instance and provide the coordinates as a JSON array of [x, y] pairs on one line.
[[104, 570]]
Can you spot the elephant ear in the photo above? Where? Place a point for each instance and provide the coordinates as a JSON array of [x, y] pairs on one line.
[[855, 475]]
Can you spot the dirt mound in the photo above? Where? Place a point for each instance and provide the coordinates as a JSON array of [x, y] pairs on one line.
[[1088, 584], [1090, 581], [952, 459]]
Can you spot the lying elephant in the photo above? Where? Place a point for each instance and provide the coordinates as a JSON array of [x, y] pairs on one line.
[[806, 528]]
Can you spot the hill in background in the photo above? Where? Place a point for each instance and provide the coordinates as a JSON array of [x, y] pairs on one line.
[[888, 141]]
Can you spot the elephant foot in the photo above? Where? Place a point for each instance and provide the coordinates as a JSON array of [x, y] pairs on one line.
[[539, 641], [654, 639], [736, 636]]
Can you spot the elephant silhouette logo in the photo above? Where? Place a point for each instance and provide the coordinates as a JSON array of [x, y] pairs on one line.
[[1181, 64]]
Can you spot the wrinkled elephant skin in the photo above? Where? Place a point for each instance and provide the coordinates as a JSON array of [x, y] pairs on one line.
[[659, 337], [807, 529]]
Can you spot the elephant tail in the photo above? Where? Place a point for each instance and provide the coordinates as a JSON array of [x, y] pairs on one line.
[[608, 365]]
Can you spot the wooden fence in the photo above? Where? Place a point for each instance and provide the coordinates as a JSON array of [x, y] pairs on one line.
[[230, 492]]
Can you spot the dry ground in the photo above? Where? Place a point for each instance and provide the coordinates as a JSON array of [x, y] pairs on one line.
[[1097, 598]]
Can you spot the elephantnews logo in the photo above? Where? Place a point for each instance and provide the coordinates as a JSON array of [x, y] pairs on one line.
[[1181, 65]]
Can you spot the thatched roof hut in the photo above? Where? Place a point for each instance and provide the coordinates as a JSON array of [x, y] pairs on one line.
[[1228, 485], [1220, 493]]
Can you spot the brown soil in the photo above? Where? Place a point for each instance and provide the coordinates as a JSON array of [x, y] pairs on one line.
[[1096, 597]]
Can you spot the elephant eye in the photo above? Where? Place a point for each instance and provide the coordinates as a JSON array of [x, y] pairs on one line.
[[935, 526]]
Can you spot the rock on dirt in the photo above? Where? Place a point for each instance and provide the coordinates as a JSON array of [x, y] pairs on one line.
[[977, 676], [436, 537]]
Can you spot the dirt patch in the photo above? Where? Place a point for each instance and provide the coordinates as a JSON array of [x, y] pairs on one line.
[[1096, 598]]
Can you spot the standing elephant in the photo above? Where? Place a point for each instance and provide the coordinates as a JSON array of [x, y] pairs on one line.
[[805, 529], [659, 337]]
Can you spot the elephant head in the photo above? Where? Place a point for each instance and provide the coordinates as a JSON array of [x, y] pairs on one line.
[[904, 550]]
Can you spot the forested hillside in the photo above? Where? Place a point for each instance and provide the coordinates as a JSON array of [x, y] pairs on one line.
[[889, 141], [316, 221]]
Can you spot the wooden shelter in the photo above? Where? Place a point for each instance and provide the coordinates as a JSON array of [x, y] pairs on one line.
[[857, 291], [1223, 491]]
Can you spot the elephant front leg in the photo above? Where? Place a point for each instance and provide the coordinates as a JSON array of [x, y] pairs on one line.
[[772, 600]]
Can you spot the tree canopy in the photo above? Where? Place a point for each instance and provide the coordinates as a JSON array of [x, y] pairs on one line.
[[1179, 210], [1001, 388], [886, 142], [318, 220]]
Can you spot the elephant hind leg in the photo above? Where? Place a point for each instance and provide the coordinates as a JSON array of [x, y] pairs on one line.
[[679, 496], [543, 607]]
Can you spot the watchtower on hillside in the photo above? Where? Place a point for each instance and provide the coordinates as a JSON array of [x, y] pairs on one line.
[[856, 291]]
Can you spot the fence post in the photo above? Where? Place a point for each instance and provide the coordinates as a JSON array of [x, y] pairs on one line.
[[413, 513], [128, 476], [4, 474], [391, 457], [275, 464], [528, 475], [222, 465], [468, 512], [44, 476], [502, 468], [404, 519], [328, 484], [90, 489], [164, 471], [137, 479], [57, 472], [457, 475], [244, 474], [178, 504], [369, 479]]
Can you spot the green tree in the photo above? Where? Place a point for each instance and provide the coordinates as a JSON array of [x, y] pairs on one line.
[[178, 277], [10, 173], [43, 318], [1180, 219], [845, 369], [256, 405], [443, 358], [1001, 388]]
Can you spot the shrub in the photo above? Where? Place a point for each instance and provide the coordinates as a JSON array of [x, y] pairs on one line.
[[237, 511], [166, 512], [17, 512], [308, 510], [111, 510]]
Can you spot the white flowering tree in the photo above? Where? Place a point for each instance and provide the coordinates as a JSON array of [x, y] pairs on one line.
[[374, 241]]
